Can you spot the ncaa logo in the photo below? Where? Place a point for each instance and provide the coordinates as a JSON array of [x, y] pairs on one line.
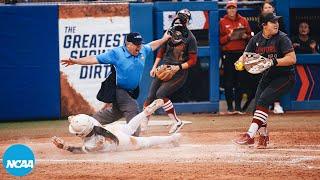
[[18, 160]]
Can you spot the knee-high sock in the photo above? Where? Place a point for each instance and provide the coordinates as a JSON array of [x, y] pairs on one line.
[[168, 107], [145, 104], [134, 123], [260, 117]]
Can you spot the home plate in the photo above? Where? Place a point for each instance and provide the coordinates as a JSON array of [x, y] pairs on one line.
[[157, 122]]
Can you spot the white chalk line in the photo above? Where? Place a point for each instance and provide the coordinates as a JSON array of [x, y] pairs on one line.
[[156, 122], [293, 162], [268, 149]]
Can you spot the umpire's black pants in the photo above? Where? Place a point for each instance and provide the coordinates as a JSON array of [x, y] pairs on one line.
[[124, 106]]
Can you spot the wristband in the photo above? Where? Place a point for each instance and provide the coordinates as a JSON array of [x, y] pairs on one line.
[[275, 62]]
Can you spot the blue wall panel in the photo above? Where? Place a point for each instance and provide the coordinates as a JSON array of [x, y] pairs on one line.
[[141, 20], [29, 70]]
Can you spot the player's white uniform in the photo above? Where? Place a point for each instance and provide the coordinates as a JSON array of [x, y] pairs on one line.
[[97, 143]]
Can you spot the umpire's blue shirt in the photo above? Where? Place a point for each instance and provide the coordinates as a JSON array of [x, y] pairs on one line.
[[129, 68]]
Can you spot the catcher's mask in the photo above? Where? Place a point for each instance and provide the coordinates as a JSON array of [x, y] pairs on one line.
[[80, 125], [176, 39], [184, 15], [176, 25], [178, 33]]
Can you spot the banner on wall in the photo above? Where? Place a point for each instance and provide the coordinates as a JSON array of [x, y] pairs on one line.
[[86, 30]]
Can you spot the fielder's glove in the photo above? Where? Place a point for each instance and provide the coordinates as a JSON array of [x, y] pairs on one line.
[[166, 72], [59, 142], [255, 63]]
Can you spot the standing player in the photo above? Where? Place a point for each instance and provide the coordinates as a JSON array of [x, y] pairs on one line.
[[129, 61], [112, 137], [275, 81], [181, 54], [267, 7]]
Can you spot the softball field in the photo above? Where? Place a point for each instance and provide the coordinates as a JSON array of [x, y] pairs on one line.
[[206, 151]]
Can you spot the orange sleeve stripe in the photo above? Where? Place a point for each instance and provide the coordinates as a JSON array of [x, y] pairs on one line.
[[192, 59], [160, 53]]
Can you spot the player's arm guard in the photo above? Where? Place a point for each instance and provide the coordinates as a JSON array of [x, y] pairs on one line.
[[76, 150], [255, 63], [166, 72]]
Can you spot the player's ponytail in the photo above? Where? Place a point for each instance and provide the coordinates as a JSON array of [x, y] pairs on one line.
[[105, 133]]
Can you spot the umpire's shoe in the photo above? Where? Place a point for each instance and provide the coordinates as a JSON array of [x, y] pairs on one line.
[[244, 139], [176, 127], [156, 104]]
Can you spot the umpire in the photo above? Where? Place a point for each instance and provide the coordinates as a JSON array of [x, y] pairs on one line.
[[276, 81], [128, 61]]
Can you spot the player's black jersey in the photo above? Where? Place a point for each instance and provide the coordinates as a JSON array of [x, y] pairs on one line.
[[275, 47], [179, 55]]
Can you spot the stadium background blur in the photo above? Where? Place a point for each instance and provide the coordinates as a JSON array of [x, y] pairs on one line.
[[31, 47]]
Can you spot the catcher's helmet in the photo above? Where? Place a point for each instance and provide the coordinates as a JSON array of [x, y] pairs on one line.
[[80, 125], [177, 25], [178, 34], [184, 15]]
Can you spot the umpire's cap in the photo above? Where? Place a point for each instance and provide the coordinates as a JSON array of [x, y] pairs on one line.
[[135, 38], [269, 17]]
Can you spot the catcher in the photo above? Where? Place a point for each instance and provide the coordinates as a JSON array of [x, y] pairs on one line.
[[117, 137], [178, 54], [269, 52]]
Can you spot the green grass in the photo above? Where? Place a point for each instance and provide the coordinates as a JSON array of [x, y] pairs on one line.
[[30, 124], [32, 129]]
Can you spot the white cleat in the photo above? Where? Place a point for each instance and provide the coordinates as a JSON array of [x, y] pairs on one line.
[[278, 109], [156, 104], [176, 127]]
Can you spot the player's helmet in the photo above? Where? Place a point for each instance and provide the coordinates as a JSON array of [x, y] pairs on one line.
[[80, 125], [184, 15]]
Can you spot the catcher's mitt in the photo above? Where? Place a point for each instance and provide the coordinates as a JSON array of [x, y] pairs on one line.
[[166, 72], [255, 63]]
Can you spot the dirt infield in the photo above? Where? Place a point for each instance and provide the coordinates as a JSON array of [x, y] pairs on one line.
[[205, 152]]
